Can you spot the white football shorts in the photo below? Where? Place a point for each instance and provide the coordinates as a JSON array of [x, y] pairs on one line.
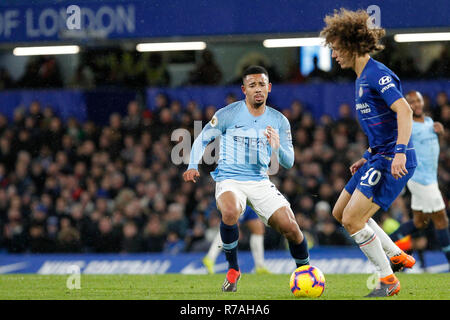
[[425, 198], [262, 196]]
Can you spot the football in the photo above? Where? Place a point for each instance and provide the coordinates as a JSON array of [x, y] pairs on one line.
[[307, 281]]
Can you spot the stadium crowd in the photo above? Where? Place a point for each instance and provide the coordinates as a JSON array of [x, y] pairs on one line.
[[81, 187], [116, 67]]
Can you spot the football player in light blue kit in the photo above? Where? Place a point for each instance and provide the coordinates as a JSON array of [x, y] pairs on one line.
[[426, 198], [386, 118], [256, 228], [252, 135]]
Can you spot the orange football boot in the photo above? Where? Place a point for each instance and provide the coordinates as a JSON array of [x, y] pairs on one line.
[[401, 261], [231, 280], [387, 287]]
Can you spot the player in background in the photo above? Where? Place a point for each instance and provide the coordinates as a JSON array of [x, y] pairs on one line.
[[386, 118], [252, 135], [256, 227], [426, 198]]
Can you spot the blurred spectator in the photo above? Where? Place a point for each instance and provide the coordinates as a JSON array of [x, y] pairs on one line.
[[132, 241], [329, 235], [195, 240], [83, 187], [306, 224], [14, 233], [30, 78], [132, 121], [83, 78], [408, 69], [441, 102], [39, 242], [156, 73], [175, 220], [68, 237], [154, 235], [346, 123], [317, 74], [445, 117], [108, 239], [41, 72], [207, 71], [6, 82], [174, 244], [440, 67], [49, 74], [294, 75]]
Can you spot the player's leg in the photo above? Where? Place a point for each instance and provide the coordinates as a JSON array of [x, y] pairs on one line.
[[257, 230], [390, 248], [419, 202], [230, 208], [419, 242], [283, 221], [340, 205], [210, 259], [440, 221], [356, 213], [231, 202], [418, 222], [275, 211]]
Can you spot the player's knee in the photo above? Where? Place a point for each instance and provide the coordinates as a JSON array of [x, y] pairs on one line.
[[230, 214], [291, 232], [351, 224]]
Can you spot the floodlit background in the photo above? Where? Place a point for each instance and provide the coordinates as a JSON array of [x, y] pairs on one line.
[[88, 106]]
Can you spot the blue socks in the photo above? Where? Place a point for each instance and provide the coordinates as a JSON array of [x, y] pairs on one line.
[[230, 237], [443, 236], [404, 230], [300, 252]]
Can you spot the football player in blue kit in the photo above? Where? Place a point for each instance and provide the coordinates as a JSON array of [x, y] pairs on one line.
[[252, 135], [386, 118], [426, 198]]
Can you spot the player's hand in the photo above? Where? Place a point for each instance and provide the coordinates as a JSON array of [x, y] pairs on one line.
[[190, 175], [358, 164], [438, 127], [273, 137], [398, 168]]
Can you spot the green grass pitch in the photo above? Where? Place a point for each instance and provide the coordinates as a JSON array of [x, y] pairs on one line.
[[207, 287]]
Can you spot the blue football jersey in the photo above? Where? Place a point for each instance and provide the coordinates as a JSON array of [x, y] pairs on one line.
[[377, 88], [426, 143], [245, 152]]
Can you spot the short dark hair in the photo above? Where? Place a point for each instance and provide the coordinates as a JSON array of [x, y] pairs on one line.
[[254, 70]]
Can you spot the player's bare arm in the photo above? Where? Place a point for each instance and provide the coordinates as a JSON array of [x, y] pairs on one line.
[[404, 123]]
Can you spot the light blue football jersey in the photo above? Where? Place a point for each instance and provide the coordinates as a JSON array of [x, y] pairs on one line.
[[426, 143], [245, 151]]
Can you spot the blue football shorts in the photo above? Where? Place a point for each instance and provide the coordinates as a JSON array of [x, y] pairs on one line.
[[374, 179], [248, 214]]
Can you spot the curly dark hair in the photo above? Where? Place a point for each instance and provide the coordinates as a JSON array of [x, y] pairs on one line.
[[353, 32]]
